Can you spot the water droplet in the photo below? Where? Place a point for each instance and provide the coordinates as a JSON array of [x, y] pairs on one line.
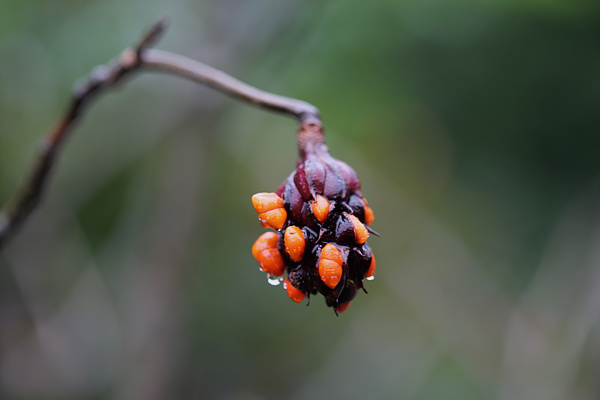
[[274, 280], [370, 278]]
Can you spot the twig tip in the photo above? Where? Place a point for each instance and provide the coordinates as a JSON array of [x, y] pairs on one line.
[[153, 34]]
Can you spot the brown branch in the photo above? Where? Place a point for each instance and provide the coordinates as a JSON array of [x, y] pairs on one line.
[[135, 59], [176, 64]]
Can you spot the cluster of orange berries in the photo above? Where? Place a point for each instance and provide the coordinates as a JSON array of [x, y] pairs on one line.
[[322, 223]]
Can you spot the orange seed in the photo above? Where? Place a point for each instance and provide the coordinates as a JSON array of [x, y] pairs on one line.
[[266, 252], [320, 208], [293, 292], [371, 270], [270, 210], [264, 202], [369, 215], [342, 307], [330, 265], [294, 242], [360, 231], [273, 219], [330, 252]]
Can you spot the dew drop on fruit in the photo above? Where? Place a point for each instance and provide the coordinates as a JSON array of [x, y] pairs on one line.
[[274, 280]]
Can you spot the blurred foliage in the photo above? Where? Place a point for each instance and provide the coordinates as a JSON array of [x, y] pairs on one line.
[[473, 125]]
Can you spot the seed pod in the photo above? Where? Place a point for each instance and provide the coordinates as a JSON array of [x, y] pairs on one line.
[[294, 243], [302, 280], [344, 231], [359, 259], [266, 252], [355, 202], [324, 245], [293, 293], [269, 207], [360, 232], [330, 265], [320, 208]]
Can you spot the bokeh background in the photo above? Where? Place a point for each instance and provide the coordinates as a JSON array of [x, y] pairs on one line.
[[473, 125]]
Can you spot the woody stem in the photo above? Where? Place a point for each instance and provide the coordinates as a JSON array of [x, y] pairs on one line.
[[185, 67], [135, 59]]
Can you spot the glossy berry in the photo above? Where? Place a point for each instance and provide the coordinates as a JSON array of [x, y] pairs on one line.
[[266, 252], [293, 293], [294, 242], [322, 224]]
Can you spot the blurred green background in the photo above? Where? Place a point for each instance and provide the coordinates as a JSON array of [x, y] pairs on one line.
[[473, 125]]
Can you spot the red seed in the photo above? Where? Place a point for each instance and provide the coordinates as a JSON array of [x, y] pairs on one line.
[[270, 210], [320, 208], [273, 219], [266, 252], [342, 307], [360, 231], [371, 270], [294, 243], [293, 292], [369, 215], [264, 202], [330, 265], [330, 252]]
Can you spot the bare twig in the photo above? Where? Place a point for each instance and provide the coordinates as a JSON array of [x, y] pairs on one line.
[[136, 58], [214, 78]]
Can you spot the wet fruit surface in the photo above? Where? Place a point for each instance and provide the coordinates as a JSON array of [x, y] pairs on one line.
[[294, 243], [322, 224], [266, 252]]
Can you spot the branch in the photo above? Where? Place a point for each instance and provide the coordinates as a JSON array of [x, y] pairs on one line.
[[179, 65], [135, 59]]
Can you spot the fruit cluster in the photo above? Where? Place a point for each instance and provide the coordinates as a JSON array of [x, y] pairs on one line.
[[321, 222]]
